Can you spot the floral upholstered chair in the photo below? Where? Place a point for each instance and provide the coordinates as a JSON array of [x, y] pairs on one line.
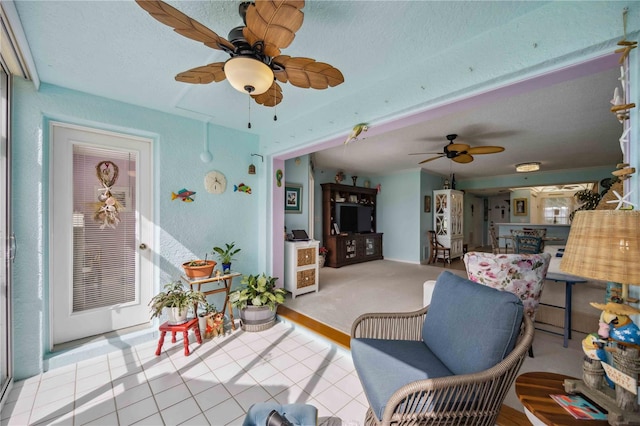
[[521, 274]]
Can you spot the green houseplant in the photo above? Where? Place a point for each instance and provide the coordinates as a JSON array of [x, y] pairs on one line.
[[257, 301], [178, 300], [226, 255]]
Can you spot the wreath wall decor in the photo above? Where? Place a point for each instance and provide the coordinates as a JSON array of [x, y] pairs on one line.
[[107, 207]]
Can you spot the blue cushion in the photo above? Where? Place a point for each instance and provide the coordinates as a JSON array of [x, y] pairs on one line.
[[297, 414], [469, 326], [384, 366]]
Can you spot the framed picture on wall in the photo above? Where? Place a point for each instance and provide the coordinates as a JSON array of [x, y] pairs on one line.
[[292, 198], [520, 207], [427, 203]]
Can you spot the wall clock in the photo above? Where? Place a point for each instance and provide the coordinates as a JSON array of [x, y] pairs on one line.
[[215, 182]]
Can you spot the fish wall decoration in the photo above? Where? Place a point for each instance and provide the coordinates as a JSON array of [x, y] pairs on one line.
[[242, 188], [184, 195]]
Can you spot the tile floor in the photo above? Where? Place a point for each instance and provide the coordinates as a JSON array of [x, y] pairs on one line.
[[215, 385]]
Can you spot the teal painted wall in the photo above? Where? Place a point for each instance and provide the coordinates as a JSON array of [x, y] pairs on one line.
[[184, 230], [399, 210]]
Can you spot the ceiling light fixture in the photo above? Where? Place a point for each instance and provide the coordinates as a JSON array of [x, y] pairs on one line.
[[528, 167], [248, 75]]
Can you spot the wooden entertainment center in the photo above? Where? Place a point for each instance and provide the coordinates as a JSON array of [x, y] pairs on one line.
[[346, 248]]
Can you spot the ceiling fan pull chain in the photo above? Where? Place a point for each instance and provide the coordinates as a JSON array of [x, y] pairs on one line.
[[249, 125], [275, 104]]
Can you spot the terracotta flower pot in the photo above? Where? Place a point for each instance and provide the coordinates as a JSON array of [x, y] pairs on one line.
[[199, 272]]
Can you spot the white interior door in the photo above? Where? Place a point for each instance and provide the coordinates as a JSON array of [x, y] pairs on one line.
[[101, 231]]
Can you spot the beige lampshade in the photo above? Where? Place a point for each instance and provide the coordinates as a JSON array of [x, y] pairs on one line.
[[248, 75], [604, 245]]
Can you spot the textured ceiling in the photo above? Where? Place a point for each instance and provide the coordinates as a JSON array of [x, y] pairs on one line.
[[398, 58]]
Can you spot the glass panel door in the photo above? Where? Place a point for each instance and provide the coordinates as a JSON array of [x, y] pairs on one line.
[[5, 285]]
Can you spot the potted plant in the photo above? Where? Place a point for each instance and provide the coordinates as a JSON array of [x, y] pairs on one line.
[[208, 310], [226, 255], [199, 269], [322, 255], [178, 300], [257, 301]]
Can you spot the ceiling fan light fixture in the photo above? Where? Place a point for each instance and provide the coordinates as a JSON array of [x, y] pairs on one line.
[[532, 166], [248, 75]]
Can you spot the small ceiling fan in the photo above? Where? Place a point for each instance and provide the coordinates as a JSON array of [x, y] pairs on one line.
[[256, 62], [460, 152]]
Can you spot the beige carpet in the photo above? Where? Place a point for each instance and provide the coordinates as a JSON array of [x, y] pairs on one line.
[[377, 286], [388, 286]]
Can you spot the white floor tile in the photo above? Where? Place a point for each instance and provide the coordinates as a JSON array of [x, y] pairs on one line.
[[332, 373], [50, 395], [93, 411], [224, 413], [137, 411], [333, 398], [350, 384], [152, 420], [165, 382], [197, 420], [239, 383], [212, 397], [107, 420], [57, 381], [124, 398], [202, 383], [53, 410], [251, 396], [293, 395], [353, 413], [180, 412], [172, 396]]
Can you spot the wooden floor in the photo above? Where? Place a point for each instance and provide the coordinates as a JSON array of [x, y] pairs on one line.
[[508, 416]]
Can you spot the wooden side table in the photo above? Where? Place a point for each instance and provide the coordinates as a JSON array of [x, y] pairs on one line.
[[226, 281], [181, 328], [533, 390]]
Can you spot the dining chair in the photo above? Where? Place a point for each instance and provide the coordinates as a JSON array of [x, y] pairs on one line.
[[528, 244], [495, 243], [537, 232], [438, 251]]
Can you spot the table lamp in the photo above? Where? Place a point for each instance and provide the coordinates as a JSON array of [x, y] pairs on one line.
[[605, 245]]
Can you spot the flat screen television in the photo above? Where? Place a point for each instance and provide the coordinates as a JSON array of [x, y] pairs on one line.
[[354, 218]]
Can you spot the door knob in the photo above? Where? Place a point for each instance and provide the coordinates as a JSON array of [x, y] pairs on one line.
[[142, 246]]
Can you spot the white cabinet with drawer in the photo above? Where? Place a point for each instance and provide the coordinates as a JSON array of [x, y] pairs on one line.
[[301, 273]]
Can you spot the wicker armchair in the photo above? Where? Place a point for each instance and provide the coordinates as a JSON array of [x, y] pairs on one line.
[[469, 399]]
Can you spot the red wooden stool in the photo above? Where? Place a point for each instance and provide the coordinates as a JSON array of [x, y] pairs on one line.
[[184, 328]]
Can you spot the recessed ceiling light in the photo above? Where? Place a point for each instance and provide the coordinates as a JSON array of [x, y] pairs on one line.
[[527, 167]]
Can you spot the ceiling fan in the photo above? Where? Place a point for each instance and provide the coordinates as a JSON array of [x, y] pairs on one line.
[[460, 152], [256, 62]]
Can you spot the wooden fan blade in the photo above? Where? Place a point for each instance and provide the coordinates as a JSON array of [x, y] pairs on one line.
[[183, 25], [425, 153], [457, 147], [463, 158], [485, 150], [203, 75], [431, 159], [273, 22], [271, 97], [307, 73]]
